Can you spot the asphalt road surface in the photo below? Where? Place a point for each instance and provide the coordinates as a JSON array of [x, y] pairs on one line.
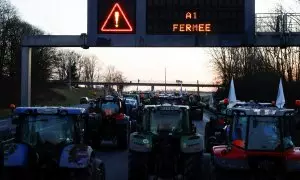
[[116, 162]]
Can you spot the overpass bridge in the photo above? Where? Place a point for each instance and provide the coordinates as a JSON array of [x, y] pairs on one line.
[[152, 84]]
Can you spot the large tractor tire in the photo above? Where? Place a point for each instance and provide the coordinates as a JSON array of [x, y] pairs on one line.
[[196, 166], [137, 166], [122, 136]]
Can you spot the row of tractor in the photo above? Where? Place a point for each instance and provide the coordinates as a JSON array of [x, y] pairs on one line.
[[58, 142], [55, 142], [193, 101]]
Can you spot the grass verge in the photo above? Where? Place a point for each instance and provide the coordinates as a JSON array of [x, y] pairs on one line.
[[57, 97], [65, 96]]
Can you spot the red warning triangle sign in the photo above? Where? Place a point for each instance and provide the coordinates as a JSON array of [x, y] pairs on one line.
[[116, 21]]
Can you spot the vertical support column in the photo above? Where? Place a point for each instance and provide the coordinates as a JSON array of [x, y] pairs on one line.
[[198, 88], [180, 88], [26, 77], [165, 80], [152, 88], [250, 21]]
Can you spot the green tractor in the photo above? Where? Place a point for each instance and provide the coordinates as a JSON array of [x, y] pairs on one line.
[[167, 146], [196, 107], [146, 97]]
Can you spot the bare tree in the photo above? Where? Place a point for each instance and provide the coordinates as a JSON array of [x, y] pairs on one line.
[[98, 77], [89, 68], [66, 60], [239, 62], [114, 75]]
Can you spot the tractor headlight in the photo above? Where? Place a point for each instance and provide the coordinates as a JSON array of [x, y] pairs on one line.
[[145, 141]]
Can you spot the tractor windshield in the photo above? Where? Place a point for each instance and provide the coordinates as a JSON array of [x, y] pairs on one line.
[[173, 121], [47, 128], [175, 101], [110, 107], [264, 133]]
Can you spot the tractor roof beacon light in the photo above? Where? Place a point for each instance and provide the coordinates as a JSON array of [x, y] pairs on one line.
[[297, 103], [273, 102], [226, 101], [12, 106]]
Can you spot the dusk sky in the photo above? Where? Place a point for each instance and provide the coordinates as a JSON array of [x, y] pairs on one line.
[[187, 64]]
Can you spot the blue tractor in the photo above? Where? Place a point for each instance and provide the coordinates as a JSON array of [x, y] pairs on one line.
[[50, 144]]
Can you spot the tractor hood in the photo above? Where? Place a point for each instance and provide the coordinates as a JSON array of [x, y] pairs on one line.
[[75, 156], [15, 155]]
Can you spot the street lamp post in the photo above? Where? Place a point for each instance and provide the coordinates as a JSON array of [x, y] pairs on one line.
[[165, 80], [137, 87]]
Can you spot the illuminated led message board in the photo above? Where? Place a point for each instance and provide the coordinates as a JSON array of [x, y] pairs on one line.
[[166, 17]]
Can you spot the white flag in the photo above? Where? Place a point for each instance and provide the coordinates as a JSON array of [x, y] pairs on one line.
[[280, 101]]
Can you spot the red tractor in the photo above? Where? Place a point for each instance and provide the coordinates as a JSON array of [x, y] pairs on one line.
[[260, 145], [107, 121]]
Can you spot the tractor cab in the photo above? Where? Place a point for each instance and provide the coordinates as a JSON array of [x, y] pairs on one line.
[[110, 105], [107, 106], [265, 127], [43, 139], [171, 118], [260, 138]]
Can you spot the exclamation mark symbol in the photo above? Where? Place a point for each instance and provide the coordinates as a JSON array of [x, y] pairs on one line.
[[117, 15]]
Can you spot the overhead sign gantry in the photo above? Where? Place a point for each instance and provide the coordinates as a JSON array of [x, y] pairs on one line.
[[166, 23]]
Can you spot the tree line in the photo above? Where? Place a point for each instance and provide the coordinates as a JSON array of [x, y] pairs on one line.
[[257, 70], [47, 63]]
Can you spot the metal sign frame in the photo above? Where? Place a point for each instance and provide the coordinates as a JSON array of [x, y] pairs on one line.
[[141, 39]]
